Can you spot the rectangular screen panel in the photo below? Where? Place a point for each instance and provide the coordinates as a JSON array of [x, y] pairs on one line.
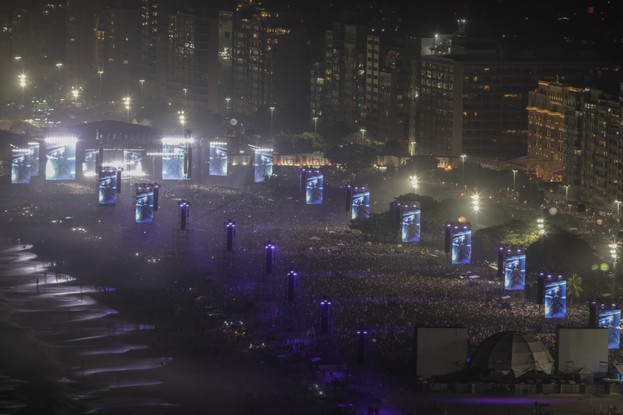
[[555, 299], [611, 320], [461, 245], [263, 165], [175, 162], [89, 165], [314, 187], [20, 165], [410, 229], [218, 159], [60, 161], [133, 162], [107, 186], [515, 272], [34, 158], [360, 206], [144, 211]]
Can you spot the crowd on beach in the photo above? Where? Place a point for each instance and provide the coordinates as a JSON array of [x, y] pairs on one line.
[[194, 286]]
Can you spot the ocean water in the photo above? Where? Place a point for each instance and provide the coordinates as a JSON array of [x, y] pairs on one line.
[[62, 352]]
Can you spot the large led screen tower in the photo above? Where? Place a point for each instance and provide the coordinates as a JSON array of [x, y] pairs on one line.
[[360, 203], [107, 186], [410, 223], [514, 265], [314, 185], [21, 159], [144, 210], [218, 159], [610, 318], [555, 297], [176, 157], [263, 164], [461, 248], [35, 148], [133, 162], [89, 165], [60, 153]]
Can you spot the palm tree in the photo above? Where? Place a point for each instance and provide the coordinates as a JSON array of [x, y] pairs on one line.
[[574, 287]]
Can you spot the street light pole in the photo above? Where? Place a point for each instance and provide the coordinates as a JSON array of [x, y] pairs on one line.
[[272, 114], [363, 135], [315, 123], [615, 255], [463, 157], [566, 193], [100, 73]]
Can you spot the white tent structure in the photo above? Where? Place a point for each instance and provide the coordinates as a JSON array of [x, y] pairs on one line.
[[512, 354]]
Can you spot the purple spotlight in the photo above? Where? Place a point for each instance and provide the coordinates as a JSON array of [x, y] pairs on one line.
[[292, 281], [325, 314], [269, 249], [592, 314], [447, 244], [349, 196], [118, 181], [230, 233], [156, 188], [302, 178], [184, 212], [361, 345]]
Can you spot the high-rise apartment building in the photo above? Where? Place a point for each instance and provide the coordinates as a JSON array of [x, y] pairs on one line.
[[269, 60], [594, 146], [117, 42], [191, 77], [473, 101], [546, 129]]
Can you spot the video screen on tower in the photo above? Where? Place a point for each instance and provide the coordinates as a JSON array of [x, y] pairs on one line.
[[144, 211], [175, 162], [461, 244], [20, 165], [218, 159], [360, 205], [410, 223], [107, 186], [515, 272], [60, 161], [89, 165], [314, 185], [263, 165], [133, 162], [611, 320], [34, 158], [555, 299]]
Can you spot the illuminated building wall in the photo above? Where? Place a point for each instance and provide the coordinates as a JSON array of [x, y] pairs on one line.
[[473, 101], [546, 129]]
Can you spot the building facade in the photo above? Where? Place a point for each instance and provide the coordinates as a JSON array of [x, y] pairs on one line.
[[594, 150], [546, 129]]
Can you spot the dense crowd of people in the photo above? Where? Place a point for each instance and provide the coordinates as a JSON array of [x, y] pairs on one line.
[[186, 281]]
